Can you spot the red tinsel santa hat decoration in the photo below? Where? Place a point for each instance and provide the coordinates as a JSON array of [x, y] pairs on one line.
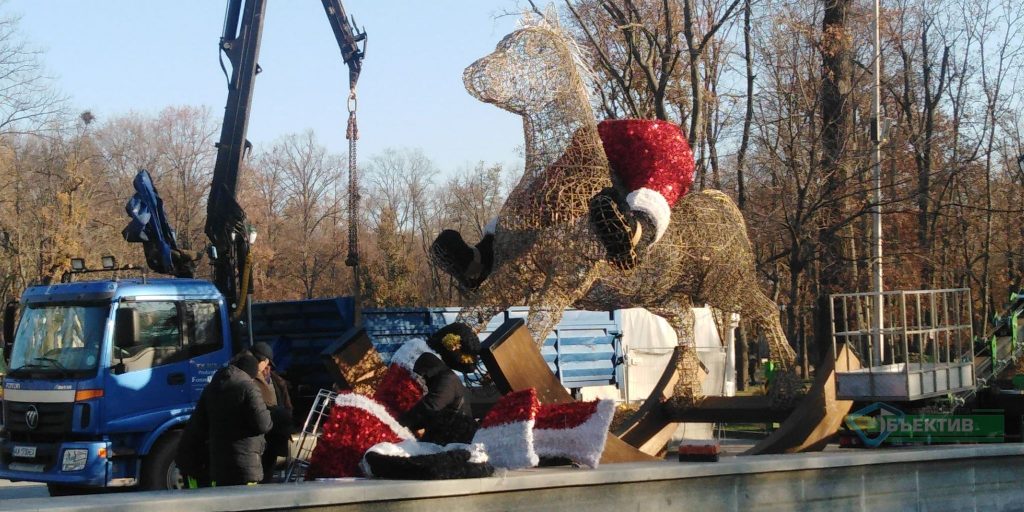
[[401, 387], [652, 164], [355, 424], [574, 430], [507, 430]]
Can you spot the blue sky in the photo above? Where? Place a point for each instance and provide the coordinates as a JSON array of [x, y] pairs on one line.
[[115, 56]]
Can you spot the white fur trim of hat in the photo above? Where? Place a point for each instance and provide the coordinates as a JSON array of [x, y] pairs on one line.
[[653, 204]]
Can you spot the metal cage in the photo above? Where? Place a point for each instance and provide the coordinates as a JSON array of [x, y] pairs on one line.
[[923, 347]]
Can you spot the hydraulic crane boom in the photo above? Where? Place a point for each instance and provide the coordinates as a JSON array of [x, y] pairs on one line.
[[348, 38], [225, 219], [226, 227]]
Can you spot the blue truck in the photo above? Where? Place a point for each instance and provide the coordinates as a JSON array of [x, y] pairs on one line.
[[104, 374]]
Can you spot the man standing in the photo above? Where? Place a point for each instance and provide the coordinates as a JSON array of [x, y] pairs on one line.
[[231, 414], [275, 395]]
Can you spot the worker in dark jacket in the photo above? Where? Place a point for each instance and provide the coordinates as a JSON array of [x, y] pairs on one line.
[[232, 414], [274, 390], [444, 411]]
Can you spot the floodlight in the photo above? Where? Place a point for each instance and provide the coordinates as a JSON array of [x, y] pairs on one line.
[[109, 262], [77, 264]]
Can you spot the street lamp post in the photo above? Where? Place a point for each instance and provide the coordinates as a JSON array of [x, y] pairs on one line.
[[876, 214]]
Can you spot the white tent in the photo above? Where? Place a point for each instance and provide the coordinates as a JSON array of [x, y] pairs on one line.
[[647, 342]]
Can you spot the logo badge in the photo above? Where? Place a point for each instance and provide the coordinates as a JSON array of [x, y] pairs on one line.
[[32, 417], [873, 414]]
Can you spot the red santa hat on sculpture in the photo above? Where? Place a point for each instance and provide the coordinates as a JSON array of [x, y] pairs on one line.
[[507, 430], [355, 424], [652, 163], [401, 387]]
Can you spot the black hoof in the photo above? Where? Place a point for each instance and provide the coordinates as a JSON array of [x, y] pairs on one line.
[[455, 257], [615, 231]]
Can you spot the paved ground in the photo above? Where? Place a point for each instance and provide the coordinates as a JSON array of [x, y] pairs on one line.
[[14, 490]]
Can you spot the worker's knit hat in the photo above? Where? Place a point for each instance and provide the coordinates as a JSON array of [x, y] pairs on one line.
[[263, 351], [248, 364]]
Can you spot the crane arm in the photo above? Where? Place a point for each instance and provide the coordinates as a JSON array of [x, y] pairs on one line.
[[226, 226], [225, 218], [348, 37]]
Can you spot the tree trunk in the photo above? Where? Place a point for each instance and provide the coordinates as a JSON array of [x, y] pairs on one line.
[[748, 116], [835, 115], [696, 92], [742, 358]]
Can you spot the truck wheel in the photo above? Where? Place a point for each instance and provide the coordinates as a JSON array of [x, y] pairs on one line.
[[159, 472]]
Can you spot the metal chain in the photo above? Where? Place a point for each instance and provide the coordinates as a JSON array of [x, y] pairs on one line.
[[352, 134]]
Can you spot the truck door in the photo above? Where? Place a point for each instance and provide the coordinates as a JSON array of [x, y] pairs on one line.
[[204, 331], [148, 375]]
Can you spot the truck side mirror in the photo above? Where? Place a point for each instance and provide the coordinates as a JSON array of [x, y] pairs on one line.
[[126, 328], [10, 316]]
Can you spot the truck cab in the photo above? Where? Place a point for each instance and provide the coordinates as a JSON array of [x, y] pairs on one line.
[[103, 375]]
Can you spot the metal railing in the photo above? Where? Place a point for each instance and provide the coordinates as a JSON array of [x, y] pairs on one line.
[[923, 347]]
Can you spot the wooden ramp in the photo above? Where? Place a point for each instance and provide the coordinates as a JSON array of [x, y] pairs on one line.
[[514, 362], [649, 429], [817, 417], [807, 427]]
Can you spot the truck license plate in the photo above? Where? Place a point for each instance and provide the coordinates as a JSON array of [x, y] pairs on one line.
[[21, 466], [28, 452]]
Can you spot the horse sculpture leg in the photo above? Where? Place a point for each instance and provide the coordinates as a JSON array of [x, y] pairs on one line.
[[498, 295], [764, 315], [680, 317], [541, 321], [556, 294], [478, 315]]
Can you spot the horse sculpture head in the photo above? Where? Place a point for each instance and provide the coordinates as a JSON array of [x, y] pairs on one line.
[[530, 69]]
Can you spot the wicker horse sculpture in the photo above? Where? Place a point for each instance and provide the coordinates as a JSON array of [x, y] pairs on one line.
[[545, 254]]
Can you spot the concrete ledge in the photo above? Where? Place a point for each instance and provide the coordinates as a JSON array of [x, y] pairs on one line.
[[968, 477]]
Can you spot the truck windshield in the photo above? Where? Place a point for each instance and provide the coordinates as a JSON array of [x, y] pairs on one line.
[[59, 338]]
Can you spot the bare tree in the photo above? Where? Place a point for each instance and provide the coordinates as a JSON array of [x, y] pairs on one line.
[[1000, 50], [922, 85], [400, 183], [748, 111], [399, 179], [185, 137], [308, 174], [28, 101]]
